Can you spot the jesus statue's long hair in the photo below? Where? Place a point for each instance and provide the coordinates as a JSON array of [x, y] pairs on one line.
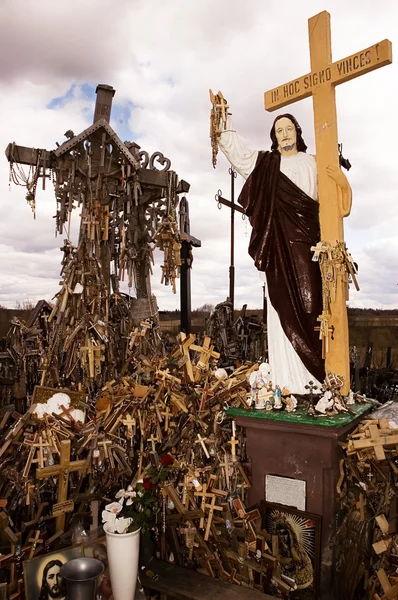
[[301, 145]]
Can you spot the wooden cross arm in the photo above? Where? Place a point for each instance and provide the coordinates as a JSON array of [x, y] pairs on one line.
[[343, 70], [228, 203], [78, 465], [29, 156], [387, 440], [190, 239]]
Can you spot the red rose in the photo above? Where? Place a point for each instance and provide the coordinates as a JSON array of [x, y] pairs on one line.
[[147, 484], [167, 460]]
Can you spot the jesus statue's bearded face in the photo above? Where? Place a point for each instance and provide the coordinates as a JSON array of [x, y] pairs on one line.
[[286, 136]]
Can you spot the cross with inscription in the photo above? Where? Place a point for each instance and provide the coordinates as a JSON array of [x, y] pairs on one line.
[[62, 471], [320, 83]]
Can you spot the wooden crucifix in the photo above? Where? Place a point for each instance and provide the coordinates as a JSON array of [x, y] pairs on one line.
[[234, 207], [320, 83], [62, 472]]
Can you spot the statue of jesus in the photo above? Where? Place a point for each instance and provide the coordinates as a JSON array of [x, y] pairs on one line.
[[280, 198]]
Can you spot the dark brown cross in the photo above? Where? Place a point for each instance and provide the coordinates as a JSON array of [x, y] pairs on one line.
[[234, 207], [187, 243], [152, 181]]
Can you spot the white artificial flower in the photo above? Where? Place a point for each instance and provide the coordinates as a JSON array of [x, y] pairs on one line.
[[109, 517], [114, 507], [123, 524], [122, 494]]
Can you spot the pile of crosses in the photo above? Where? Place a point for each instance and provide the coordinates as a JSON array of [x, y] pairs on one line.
[[243, 338], [20, 356], [367, 540], [57, 473]]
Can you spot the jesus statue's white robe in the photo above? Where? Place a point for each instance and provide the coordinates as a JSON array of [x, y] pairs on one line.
[[287, 367]]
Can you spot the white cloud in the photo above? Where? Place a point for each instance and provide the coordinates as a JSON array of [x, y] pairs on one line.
[[162, 58]]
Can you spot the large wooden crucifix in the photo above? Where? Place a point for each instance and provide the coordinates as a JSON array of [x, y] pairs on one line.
[[62, 471], [320, 83]]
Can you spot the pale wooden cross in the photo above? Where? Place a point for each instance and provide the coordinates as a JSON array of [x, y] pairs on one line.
[[204, 494], [320, 83], [206, 352], [107, 451], [130, 423], [62, 472], [225, 467], [166, 415], [206, 393], [153, 439], [34, 541], [185, 343], [211, 508], [233, 442], [201, 441]]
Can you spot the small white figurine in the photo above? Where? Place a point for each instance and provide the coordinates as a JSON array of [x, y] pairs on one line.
[[325, 402], [259, 381], [351, 399], [268, 404], [291, 404], [277, 398]]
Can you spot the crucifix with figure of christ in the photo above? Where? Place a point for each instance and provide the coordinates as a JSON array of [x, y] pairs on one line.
[[320, 83]]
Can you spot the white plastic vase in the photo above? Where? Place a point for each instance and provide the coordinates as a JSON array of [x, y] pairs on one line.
[[123, 550]]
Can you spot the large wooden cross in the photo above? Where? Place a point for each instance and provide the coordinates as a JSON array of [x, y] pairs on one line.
[[62, 472], [320, 83]]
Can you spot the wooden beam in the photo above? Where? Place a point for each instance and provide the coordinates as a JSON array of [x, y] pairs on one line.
[[29, 156]]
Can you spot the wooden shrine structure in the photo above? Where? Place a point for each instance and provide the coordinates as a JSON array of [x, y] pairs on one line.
[[129, 206]]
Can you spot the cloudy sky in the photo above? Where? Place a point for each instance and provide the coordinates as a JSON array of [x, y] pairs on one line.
[[162, 57]]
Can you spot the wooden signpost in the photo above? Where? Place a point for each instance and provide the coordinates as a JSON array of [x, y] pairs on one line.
[[320, 83]]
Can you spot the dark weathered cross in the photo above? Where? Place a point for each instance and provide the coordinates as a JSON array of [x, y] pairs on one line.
[[320, 83], [234, 207], [187, 243]]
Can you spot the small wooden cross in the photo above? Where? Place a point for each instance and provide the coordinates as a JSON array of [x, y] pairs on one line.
[[311, 387], [231, 577], [166, 414], [67, 412], [204, 494], [233, 442], [105, 444], [211, 508], [325, 332], [153, 441], [206, 352], [29, 489], [225, 466], [207, 393], [130, 423], [34, 541], [185, 344], [201, 441], [178, 401]]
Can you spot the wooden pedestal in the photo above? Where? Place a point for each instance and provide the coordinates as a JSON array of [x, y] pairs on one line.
[[299, 447]]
